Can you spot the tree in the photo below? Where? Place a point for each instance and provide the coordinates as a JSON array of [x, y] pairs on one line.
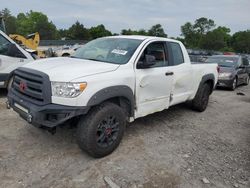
[[241, 41], [194, 33], [191, 37], [10, 21], [203, 25], [99, 31], [78, 32], [157, 30], [128, 32], [217, 39], [36, 22]]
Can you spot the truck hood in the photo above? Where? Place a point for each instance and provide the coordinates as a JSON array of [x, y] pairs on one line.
[[65, 69]]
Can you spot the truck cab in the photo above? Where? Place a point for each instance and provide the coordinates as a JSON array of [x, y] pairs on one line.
[[12, 56]]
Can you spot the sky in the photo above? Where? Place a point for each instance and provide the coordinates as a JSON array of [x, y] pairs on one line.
[[137, 14]]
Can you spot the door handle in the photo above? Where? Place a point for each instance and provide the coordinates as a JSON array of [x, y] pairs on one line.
[[169, 73]]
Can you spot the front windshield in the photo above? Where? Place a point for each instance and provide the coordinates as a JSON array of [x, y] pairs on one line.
[[109, 50], [223, 61]]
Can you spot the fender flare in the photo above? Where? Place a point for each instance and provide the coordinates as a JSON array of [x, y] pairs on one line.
[[113, 92], [206, 78]]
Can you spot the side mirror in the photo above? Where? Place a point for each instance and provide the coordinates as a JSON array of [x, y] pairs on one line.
[[149, 60], [13, 51]]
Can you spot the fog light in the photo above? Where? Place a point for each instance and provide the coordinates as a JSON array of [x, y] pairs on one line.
[[29, 118]]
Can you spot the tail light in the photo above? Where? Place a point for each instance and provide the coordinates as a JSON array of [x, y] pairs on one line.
[[218, 69]]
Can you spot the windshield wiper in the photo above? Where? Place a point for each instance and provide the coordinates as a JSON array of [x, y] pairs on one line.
[[92, 59]]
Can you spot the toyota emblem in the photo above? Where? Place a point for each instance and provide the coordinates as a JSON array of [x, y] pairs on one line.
[[22, 86]]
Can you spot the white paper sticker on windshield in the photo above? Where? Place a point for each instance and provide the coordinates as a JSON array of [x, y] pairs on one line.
[[120, 52], [229, 61]]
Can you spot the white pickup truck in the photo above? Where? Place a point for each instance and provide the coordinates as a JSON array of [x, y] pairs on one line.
[[108, 82], [12, 56]]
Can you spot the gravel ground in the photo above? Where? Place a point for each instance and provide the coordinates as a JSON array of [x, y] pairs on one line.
[[174, 148]]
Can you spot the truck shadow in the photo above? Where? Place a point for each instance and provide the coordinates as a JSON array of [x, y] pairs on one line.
[[65, 136], [3, 93], [164, 117]]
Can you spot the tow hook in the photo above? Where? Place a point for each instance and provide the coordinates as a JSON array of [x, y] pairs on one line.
[[7, 104], [29, 118]]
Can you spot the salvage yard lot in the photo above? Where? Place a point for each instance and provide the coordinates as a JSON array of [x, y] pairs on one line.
[[174, 148]]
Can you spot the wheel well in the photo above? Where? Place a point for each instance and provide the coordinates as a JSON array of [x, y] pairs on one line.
[[210, 82], [124, 103]]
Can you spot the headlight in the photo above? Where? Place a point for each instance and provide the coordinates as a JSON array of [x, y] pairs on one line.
[[67, 89], [225, 75]]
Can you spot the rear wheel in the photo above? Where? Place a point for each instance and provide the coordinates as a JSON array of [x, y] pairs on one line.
[[201, 99], [101, 131]]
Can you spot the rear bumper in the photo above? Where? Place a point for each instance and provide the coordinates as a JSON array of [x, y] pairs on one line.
[[225, 83], [50, 115]]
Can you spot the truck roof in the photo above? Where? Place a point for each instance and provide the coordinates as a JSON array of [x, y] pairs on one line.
[[142, 37]]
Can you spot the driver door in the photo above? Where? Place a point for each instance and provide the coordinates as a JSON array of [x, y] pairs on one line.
[[154, 83]]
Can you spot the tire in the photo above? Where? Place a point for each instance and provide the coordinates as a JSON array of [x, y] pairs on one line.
[[9, 83], [201, 99], [65, 55], [234, 84], [100, 132], [247, 81]]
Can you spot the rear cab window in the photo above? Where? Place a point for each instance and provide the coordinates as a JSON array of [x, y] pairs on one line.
[[177, 55]]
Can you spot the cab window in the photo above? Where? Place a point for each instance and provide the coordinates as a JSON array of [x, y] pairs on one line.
[[177, 53], [156, 49], [4, 45]]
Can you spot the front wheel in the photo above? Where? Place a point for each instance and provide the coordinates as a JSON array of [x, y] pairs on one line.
[[234, 84], [201, 99], [101, 131]]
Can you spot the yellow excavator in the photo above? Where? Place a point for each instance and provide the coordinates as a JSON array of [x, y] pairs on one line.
[[31, 42]]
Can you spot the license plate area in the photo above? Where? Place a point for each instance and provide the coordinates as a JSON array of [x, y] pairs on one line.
[[18, 106]]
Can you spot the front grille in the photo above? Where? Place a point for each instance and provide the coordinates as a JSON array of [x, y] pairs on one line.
[[31, 85]]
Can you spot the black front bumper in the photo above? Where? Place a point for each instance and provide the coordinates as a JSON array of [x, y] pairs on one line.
[[49, 115], [225, 83]]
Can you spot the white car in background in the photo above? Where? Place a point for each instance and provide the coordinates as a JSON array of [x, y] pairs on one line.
[[12, 56], [66, 51]]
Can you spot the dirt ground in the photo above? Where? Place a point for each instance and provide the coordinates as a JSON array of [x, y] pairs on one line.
[[174, 148]]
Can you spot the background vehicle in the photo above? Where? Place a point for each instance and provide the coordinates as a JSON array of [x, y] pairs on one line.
[[66, 51], [126, 78], [233, 70], [11, 57], [246, 62]]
